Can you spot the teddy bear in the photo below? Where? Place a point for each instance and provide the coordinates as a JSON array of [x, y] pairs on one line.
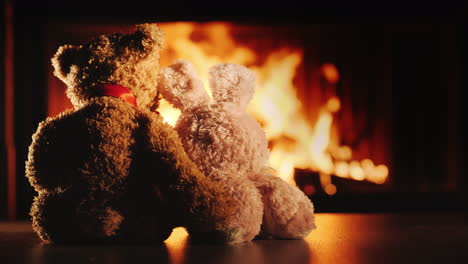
[[110, 169], [230, 147]]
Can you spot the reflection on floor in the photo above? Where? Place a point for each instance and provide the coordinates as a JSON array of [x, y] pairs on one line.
[[340, 238]]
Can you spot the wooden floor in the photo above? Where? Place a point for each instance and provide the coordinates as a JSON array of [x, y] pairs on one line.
[[340, 238]]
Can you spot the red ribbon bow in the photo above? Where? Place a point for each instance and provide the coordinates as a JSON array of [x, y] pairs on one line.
[[118, 91]]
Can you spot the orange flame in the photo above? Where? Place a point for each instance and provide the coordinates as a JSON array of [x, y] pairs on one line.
[[295, 143], [330, 73]]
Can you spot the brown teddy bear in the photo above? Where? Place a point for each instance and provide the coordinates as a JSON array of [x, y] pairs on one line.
[[111, 169]]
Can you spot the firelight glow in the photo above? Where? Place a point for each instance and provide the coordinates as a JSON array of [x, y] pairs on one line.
[[330, 73], [294, 141]]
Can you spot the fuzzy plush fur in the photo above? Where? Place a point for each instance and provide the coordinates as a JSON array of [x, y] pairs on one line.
[[230, 147], [108, 171]]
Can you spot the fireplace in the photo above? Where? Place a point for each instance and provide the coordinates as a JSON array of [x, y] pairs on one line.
[[353, 113]]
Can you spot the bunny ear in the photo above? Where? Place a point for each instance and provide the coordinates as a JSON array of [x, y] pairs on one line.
[[180, 85], [232, 83]]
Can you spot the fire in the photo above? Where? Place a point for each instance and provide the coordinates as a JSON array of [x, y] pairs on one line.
[[294, 141], [330, 73]]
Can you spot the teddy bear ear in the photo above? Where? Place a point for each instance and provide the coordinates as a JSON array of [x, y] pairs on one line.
[[232, 83], [151, 31], [63, 60]]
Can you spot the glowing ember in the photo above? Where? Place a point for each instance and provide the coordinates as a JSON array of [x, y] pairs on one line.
[[330, 73], [294, 142], [330, 189], [333, 104]]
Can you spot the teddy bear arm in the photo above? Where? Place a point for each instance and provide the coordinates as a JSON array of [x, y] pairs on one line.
[[58, 146], [288, 212], [53, 166], [59, 167], [245, 223], [206, 205], [91, 146], [54, 217], [66, 217]]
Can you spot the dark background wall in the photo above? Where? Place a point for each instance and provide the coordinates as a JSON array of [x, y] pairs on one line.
[[3, 183]]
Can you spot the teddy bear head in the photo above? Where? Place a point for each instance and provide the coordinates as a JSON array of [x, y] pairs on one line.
[[127, 60]]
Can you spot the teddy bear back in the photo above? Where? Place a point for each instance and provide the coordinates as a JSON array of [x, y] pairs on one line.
[[128, 60]]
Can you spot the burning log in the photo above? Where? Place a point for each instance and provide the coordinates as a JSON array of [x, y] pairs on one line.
[[314, 183]]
